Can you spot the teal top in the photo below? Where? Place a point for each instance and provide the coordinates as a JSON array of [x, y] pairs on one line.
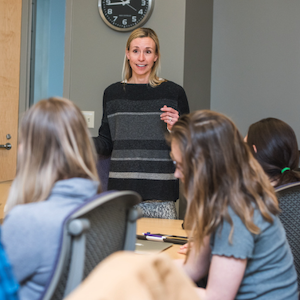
[[270, 271], [8, 285]]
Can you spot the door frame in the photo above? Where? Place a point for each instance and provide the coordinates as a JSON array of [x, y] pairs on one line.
[[25, 57]]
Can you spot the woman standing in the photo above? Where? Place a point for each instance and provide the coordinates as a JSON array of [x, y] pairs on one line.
[[137, 113], [232, 214], [56, 173]]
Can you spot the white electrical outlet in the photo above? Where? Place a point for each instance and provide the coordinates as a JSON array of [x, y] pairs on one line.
[[89, 117]]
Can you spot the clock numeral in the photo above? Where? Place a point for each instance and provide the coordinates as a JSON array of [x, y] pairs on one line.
[[140, 11], [124, 21], [143, 2], [107, 2], [109, 11], [133, 19], [115, 18]]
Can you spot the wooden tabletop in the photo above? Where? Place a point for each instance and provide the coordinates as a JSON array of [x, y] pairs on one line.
[[163, 226]]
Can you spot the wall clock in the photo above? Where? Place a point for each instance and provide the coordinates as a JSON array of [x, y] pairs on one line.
[[125, 15]]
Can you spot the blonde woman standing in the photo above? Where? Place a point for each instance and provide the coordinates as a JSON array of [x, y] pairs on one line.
[[232, 214], [56, 173], [137, 113]]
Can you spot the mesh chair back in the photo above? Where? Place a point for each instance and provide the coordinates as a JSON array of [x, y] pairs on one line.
[[109, 222], [289, 203], [107, 232]]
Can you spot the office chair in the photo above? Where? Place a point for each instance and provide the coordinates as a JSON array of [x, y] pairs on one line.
[[106, 223], [289, 203]]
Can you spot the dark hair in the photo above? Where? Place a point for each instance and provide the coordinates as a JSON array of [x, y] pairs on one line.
[[219, 171], [276, 148]]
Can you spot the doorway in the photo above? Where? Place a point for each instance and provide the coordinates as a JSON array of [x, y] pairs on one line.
[[10, 47], [47, 49], [31, 67]]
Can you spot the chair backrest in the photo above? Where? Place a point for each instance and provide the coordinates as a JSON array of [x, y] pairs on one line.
[[289, 203], [106, 223]]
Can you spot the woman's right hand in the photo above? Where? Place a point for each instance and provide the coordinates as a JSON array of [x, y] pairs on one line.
[[183, 249]]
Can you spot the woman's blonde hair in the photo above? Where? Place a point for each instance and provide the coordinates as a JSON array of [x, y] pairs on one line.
[[154, 80], [219, 171], [54, 144]]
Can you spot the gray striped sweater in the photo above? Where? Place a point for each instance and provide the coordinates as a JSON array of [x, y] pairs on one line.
[[133, 134]]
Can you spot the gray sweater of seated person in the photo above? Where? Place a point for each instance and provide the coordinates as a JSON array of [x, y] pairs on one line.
[[31, 233], [270, 273]]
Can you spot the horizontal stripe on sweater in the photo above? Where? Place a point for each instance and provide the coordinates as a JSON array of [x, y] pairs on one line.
[[142, 159], [134, 114], [141, 154], [142, 166], [137, 175], [132, 145]]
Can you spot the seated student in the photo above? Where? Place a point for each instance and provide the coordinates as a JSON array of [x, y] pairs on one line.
[[274, 144], [8, 285], [232, 213], [56, 173]]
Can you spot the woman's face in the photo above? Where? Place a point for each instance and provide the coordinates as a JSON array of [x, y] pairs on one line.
[[177, 159], [141, 56]]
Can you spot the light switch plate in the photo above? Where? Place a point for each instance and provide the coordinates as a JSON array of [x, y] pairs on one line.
[[89, 117]]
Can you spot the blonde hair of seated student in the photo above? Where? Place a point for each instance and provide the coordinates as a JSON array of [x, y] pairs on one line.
[[54, 144], [224, 185], [218, 169]]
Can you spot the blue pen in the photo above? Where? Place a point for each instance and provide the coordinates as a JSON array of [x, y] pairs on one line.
[[149, 234], [153, 237]]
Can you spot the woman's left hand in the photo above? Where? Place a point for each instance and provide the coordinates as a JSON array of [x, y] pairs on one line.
[[170, 116]]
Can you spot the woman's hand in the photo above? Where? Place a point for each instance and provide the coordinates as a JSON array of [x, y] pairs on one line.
[[184, 248], [197, 264], [170, 116]]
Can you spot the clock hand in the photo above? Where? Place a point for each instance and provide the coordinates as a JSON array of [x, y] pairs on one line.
[[131, 7], [127, 2], [119, 3]]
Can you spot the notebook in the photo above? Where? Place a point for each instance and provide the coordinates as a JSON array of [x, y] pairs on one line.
[[150, 247]]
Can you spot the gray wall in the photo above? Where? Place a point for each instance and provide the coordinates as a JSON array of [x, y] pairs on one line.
[[94, 53], [197, 54], [256, 61], [239, 57]]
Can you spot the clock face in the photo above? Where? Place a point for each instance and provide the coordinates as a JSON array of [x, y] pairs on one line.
[[125, 15]]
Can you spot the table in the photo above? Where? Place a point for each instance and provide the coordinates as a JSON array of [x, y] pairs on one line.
[[164, 226]]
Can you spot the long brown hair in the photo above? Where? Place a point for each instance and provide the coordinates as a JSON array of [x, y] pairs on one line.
[[154, 80], [276, 149], [219, 171], [54, 144]]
